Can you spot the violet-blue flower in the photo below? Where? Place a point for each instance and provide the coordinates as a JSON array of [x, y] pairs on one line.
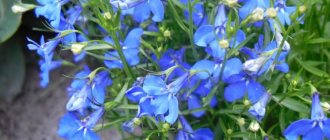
[[316, 128], [141, 9], [258, 109], [130, 49], [72, 128], [187, 133]]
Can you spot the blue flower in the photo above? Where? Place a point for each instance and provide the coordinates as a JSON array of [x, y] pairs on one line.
[[215, 37], [316, 128], [84, 93], [258, 109], [250, 5], [141, 9], [284, 12], [51, 10], [130, 49], [46, 51], [262, 58], [187, 133], [72, 128], [171, 58], [199, 16], [156, 98]]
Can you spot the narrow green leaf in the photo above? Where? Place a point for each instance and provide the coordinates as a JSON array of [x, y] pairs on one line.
[[292, 104], [312, 69]]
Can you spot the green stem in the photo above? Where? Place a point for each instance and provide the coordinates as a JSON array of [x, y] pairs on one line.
[[191, 31], [127, 69]]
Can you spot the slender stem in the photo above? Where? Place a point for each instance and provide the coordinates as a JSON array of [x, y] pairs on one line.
[[191, 31]]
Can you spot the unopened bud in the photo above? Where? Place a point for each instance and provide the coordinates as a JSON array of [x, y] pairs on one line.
[[326, 106], [167, 33], [137, 121], [271, 12], [241, 121], [224, 43], [166, 126], [76, 48], [107, 15], [246, 102], [257, 14], [294, 82], [231, 3], [302, 9], [254, 126], [229, 131]]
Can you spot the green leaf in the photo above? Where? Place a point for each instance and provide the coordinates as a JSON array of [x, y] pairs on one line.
[[292, 104], [318, 41], [9, 21], [312, 69]]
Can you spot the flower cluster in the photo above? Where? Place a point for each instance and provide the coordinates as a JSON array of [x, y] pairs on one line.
[[232, 48]]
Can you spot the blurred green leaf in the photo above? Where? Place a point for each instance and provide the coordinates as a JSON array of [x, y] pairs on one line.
[[9, 21], [292, 104], [308, 67]]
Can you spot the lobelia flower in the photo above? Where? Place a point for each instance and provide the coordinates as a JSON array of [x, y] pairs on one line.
[[316, 128], [141, 9], [72, 128], [130, 49], [51, 10], [46, 51], [262, 58], [84, 93], [258, 109], [199, 16], [251, 6], [215, 37], [187, 133], [171, 58], [241, 82], [284, 12], [156, 98]]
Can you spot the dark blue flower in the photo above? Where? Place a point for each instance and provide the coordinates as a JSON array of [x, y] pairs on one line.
[[46, 51], [262, 58], [84, 93], [141, 9], [215, 37], [187, 133], [284, 12], [51, 10], [250, 5], [130, 49], [199, 16], [72, 128], [258, 109], [316, 128], [156, 98]]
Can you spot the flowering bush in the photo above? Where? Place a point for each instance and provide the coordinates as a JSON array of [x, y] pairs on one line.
[[189, 69]]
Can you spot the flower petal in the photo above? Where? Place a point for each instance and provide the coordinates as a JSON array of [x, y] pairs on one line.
[[157, 8], [204, 35], [297, 128], [173, 110], [235, 91]]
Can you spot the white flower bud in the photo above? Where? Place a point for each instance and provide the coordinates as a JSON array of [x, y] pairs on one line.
[[258, 14], [254, 126], [271, 12], [224, 43]]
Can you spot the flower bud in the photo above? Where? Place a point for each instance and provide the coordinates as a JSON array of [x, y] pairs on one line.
[[302, 9], [326, 106], [166, 126], [76, 48], [241, 121], [257, 14], [231, 3], [246, 102], [254, 126], [107, 15], [167, 34], [271, 12], [229, 131], [224, 43]]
